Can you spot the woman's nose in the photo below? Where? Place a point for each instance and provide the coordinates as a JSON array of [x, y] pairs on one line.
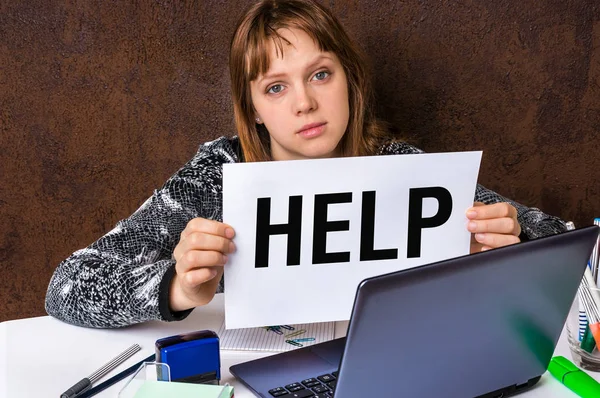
[[305, 101]]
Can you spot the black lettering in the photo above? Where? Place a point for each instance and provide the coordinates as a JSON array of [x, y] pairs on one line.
[[264, 230], [321, 226], [367, 232], [416, 222]]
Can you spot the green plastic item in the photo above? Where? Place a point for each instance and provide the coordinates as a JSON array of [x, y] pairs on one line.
[[574, 378], [587, 342], [162, 389]]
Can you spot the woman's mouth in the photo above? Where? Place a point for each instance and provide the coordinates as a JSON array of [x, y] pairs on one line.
[[312, 130]]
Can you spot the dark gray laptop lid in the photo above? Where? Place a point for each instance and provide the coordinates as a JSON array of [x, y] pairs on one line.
[[466, 326]]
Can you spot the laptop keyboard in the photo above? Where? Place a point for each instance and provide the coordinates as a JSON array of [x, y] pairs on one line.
[[315, 387]]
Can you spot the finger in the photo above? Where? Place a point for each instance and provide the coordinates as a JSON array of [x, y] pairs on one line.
[[198, 276], [211, 227], [496, 240], [475, 247], [503, 225], [478, 247], [496, 210], [205, 241], [199, 259]]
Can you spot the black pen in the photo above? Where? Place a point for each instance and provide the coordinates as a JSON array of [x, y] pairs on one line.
[[85, 384], [116, 378]]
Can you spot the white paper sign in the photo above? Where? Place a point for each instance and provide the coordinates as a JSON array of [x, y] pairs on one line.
[[309, 231]]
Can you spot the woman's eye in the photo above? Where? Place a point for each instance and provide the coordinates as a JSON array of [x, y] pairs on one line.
[[321, 75], [275, 89]]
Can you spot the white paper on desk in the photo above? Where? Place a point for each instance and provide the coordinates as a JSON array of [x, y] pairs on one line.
[[278, 293], [261, 339]]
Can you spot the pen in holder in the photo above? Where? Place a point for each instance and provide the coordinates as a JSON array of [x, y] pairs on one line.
[[153, 380], [584, 351]]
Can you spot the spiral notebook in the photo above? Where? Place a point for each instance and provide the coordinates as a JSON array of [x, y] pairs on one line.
[[277, 338]]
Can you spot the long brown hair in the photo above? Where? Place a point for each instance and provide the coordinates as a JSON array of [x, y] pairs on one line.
[[249, 58]]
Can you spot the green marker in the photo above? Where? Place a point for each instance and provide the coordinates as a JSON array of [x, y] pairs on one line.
[[574, 378], [587, 342]]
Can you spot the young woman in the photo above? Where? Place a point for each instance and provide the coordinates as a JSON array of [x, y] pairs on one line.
[[300, 91]]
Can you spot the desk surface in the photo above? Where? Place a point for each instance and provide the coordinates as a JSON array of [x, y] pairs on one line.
[[42, 357]]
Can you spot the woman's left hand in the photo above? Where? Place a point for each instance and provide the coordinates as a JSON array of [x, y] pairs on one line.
[[492, 226]]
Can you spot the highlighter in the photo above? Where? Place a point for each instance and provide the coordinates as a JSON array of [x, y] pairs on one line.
[[574, 378]]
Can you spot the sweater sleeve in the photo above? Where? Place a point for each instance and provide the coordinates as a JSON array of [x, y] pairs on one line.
[[124, 277], [534, 222]]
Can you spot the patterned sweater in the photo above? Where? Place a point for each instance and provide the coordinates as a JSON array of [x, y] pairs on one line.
[[123, 278]]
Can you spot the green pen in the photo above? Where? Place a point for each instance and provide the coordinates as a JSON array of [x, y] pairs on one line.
[[574, 378], [587, 342]]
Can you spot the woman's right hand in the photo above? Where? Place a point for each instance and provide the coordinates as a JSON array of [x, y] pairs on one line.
[[200, 256]]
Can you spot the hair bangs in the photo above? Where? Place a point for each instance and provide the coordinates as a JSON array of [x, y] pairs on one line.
[[264, 33]]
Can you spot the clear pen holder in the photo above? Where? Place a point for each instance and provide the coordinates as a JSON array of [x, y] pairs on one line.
[[584, 351], [153, 380]]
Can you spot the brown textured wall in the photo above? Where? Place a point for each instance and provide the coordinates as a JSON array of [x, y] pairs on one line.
[[100, 101]]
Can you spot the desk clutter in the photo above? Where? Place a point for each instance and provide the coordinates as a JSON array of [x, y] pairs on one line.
[[183, 365], [153, 380], [188, 365]]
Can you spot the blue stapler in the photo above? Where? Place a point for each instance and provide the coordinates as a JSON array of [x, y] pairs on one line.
[[192, 357]]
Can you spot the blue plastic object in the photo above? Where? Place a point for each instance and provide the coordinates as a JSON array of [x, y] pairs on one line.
[[192, 357]]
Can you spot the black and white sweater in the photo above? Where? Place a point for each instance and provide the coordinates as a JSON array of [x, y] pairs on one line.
[[123, 278]]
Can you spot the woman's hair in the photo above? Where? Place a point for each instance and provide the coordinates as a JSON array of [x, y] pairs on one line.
[[249, 58]]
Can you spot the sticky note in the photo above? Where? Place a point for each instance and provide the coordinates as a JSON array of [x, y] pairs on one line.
[[162, 389]]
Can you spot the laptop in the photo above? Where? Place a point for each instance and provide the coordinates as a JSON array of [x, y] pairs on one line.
[[482, 325]]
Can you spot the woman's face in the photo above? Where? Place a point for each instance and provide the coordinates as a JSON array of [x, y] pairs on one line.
[[302, 99]]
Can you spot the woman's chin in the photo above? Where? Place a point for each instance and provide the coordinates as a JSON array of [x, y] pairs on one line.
[[321, 151], [322, 154], [314, 150]]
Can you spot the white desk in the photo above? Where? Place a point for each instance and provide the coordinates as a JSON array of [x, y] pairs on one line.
[[42, 357]]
